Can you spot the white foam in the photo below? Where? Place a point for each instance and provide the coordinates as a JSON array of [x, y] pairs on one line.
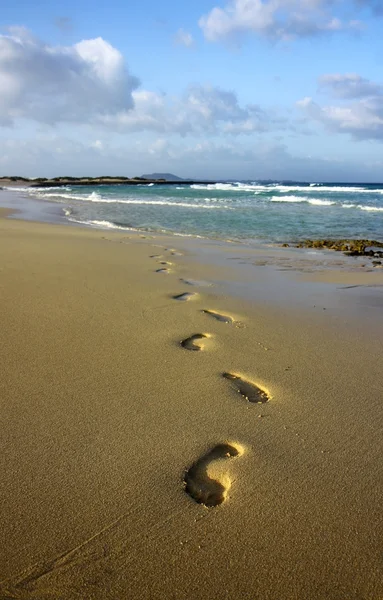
[[103, 224], [94, 197], [15, 189], [59, 194], [348, 205], [371, 208], [289, 199], [275, 187], [229, 187], [323, 188], [317, 202]]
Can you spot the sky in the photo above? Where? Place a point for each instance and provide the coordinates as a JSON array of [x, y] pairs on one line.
[[210, 89]]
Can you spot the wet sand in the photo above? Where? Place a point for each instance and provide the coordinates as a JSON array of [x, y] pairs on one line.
[[132, 467]]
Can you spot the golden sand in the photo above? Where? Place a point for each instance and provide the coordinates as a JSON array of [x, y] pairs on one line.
[[115, 437]]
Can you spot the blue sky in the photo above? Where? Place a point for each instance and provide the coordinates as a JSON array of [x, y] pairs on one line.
[[243, 89]]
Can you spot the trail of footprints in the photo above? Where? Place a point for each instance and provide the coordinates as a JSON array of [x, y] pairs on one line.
[[205, 489]]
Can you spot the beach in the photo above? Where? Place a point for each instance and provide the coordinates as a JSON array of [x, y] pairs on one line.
[[215, 446]]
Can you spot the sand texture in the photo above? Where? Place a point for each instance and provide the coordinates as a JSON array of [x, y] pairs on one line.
[[162, 441]]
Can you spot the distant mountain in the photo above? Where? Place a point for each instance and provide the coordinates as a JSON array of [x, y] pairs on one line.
[[167, 176]]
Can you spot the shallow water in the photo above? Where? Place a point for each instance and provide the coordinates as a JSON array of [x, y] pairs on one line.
[[241, 211]]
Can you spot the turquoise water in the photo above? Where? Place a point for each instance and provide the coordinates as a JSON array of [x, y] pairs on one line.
[[245, 211]]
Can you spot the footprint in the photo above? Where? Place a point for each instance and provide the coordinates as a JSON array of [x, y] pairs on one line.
[[219, 316], [156, 256], [163, 271], [203, 488], [191, 343], [196, 282], [249, 390], [165, 262], [185, 296]]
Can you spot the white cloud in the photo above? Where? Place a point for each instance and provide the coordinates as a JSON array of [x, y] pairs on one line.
[[61, 83], [276, 19], [200, 109], [362, 119], [184, 38], [360, 112], [88, 83], [96, 145], [348, 86]]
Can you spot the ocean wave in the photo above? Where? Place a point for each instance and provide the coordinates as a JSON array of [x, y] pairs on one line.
[[34, 190], [323, 188], [299, 199], [289, 199], [229, 187], [14, 188], [318, 202], [257, 188], [370, 208], [94, 197], [102, 224]]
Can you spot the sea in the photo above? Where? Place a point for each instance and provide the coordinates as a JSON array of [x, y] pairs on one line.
[[241, 211]]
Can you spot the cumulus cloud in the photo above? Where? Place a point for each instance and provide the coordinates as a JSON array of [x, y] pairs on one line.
[[61, 83], [184, 38], [363, 119], [200, 109], [88, 83], [275, 19], [349, 86]]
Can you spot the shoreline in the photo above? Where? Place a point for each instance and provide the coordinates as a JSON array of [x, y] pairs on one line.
[[288, 274], [369, 250], [105, 413], [54, 209]]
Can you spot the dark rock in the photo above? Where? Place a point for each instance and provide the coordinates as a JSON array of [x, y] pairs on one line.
[[350, 247]]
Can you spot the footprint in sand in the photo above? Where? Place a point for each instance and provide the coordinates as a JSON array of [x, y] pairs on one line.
[[163, 271], [249, 390], [219, 316], [165, 262], [223, 318], [185, 296], [194, 341], [156, 256], [196, 282], [203, 488]]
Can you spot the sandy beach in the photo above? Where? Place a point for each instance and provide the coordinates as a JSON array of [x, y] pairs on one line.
[[205, 447]]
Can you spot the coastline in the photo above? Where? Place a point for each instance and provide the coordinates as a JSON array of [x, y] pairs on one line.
[[257, 272], [95, 181], [104, 411]]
